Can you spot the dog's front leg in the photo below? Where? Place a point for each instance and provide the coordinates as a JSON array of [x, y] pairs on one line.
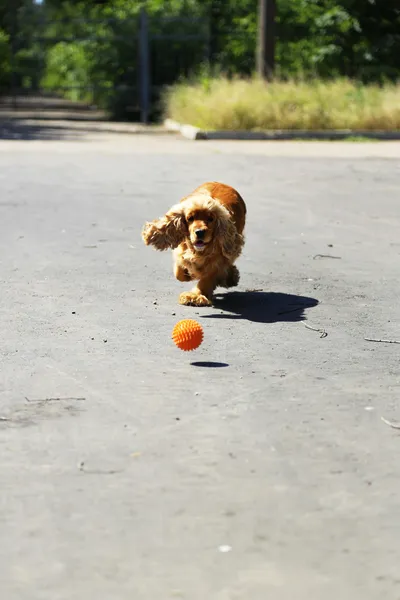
[[181, 273], [202, 294]]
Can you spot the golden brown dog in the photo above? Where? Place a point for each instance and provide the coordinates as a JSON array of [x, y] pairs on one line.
[[206, 232]]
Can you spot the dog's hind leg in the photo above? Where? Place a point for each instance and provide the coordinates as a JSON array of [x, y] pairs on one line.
[[230, 278]]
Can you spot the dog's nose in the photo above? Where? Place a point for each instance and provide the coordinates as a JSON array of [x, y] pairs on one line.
[[200, 233]]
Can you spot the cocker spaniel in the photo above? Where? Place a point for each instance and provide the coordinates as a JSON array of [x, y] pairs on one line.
[[205, 230]]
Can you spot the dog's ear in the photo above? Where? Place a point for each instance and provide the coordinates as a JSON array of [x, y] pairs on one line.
[[167, 232], [228, 238]]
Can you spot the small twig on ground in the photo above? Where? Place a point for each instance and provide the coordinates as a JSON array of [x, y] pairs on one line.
[[83, 468], [391, 424], [323, 333], [68, 399], [326, 256], [382, 341], [4, 419]]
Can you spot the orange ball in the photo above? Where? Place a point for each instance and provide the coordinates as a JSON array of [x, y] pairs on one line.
[[187, 334]]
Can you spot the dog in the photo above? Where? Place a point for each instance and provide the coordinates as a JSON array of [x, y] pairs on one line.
[[205, 231]]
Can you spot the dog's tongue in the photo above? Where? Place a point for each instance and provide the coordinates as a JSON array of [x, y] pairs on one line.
[[199, 244]]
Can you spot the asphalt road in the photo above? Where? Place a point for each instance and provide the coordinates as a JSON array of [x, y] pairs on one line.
[[256, 467]]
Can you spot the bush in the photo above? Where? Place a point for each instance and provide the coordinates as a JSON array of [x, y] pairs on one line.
[[252, 104], [68, 70]]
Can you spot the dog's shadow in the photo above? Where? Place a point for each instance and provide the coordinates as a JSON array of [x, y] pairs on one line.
[[261, 307]]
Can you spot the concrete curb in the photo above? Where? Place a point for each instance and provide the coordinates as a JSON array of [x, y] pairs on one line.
[[194, 133]]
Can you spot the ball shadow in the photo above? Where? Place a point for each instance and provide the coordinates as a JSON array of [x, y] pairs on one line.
[[209, 364]]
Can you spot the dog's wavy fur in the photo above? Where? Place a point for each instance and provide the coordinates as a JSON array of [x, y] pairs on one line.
[[219, 212]]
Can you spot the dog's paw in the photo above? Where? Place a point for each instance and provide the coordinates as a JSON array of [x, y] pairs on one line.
[[193, 299], [182, 274]]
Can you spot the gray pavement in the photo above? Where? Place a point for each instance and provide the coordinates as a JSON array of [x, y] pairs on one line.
[[256, 467]]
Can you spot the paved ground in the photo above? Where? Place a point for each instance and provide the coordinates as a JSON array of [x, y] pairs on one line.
[[257, 467]]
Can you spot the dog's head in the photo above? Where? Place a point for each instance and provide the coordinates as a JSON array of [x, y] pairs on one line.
[[202, 222], [209, 226], [202, 219]]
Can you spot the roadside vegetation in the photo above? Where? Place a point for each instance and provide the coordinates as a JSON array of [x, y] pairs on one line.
[[251, 104]]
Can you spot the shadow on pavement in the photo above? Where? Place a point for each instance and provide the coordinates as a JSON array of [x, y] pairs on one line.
[[18, 130], [262, 307], [209, 364]]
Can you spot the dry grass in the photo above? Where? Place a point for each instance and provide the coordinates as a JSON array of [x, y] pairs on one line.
[[252, 104]]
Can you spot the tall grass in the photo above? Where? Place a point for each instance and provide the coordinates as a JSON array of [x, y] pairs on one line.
[[252, 104]]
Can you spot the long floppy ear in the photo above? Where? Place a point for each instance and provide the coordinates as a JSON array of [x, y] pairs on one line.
[[167, 232], [230, 241]]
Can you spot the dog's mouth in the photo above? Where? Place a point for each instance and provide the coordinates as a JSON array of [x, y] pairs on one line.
[[199, 245]]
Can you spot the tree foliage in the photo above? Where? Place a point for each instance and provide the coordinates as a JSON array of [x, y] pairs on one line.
[[90, 47]]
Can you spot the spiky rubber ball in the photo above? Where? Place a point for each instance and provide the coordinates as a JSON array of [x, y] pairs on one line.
[[187, 334]]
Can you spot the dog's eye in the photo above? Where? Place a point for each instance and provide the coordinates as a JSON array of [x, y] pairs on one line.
[[190, 219], [210, 219]]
